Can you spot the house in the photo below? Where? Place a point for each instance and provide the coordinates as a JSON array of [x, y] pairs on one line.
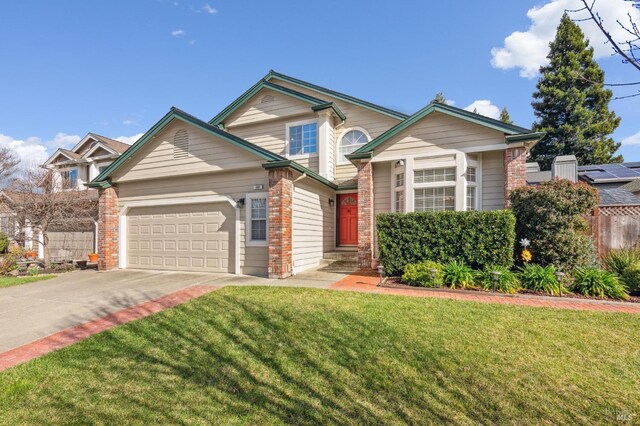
[[291, 171]]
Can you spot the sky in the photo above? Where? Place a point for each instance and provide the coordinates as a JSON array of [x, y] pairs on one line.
[[115, 67]]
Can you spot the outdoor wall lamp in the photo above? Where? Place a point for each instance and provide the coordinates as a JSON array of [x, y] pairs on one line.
[[240, 203], [332, 202]]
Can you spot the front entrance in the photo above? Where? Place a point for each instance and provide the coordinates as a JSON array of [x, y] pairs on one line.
[[348, 219]]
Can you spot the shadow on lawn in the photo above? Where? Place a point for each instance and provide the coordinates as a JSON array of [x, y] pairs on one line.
[[228, 356]]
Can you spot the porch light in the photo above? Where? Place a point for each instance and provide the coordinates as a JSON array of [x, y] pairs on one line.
[[332, 202], [240, 203], [381, 273], [496, 277], [559, 276]]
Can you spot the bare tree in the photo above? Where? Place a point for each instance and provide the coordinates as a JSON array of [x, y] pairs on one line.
[[8, 162], [43, 204]]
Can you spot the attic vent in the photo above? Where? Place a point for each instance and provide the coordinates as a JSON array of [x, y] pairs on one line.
[[181, 144], [266, 99]]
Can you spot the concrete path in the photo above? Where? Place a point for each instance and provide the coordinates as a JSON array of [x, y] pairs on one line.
[[32, 311]]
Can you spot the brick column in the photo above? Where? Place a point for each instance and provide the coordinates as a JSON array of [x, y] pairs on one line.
[[108, 229], [280, 223], [365, 214], [515, 171]]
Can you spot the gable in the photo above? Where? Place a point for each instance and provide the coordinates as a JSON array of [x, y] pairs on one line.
[[267, 104], [99, 152], [59, 157], [438, 132], [182, 149]]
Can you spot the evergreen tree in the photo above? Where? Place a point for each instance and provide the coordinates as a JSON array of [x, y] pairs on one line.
[[504, 116], [439, 99], [475, 111], [571, 103]]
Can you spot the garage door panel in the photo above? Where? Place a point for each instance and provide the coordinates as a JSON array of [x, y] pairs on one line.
[[184, 238]]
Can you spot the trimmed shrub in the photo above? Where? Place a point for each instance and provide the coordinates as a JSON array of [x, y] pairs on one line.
[[457, 274], [631, 278], [477, 238], [419, 274], [4, 242], [598, 283], [551, 216], [542, 279], [507, 281]]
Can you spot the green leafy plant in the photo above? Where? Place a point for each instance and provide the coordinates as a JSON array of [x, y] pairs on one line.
[[598, 283], [4, 242], [9, 261], [420, 274], [551, 216], [541, 278], [618, 260], [507, 281], [457, 274], [631, 278], [33, 270], [478, 238]]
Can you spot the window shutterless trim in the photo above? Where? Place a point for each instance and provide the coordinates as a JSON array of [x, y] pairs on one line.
[[248, 222]]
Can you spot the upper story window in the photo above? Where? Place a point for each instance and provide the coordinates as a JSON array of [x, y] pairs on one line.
[[69, 178], [302, 138], [349, 142]]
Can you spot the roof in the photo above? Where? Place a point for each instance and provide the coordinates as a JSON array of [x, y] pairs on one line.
[[219, 118], [633, 186], [103, 180], [514, 133], [117, 146], [605, 173], [617, 196], [537, 177], [70, 153]]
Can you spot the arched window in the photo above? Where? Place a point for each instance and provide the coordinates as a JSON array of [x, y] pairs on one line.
[[181, 144], [350, 141]]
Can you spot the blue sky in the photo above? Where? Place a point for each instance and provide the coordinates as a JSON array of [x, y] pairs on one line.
[[116, 67]]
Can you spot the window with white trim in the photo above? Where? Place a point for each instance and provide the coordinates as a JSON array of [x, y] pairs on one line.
[[397, 188], [69, 178], [257, 226], [349, 142], [472, 182], [302, 138], [434, 189]]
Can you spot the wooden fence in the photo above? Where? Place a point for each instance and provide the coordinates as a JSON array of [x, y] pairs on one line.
[[611, 230]]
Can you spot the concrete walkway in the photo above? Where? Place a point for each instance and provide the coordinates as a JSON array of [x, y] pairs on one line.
[[367, 282]]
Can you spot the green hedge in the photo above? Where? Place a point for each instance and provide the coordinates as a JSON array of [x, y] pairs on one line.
[[478, 238]]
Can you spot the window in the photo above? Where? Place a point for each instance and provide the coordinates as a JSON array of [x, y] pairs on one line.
[[471, 174], [399, 180], [398, 202], [257, 230], [303, 139], [69, 178], [8, 225], [471, 197], [102, 169], [350, 141], [435, 199], [397, 188], [472, 182], [445, 174]]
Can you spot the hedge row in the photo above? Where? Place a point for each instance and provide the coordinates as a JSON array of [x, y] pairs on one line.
[[478, 238]]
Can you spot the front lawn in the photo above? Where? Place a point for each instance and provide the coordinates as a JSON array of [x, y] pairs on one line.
[[11, 281], [262, 355]]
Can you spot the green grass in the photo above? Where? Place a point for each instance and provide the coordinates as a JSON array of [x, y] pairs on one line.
[[11, 281], [275, 355]]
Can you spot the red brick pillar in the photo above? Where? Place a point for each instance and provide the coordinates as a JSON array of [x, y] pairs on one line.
[[515, 171], [108, 229], [365, 214], [280, 223]]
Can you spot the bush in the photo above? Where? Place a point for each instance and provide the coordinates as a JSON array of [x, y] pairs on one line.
[[478, 238], [9, 261], [4, 242], [33, 270], [551, 216], [598, 283], [457, 274], [631, 278], [420, 274], [507, 281], [541, 278], [626, 264]]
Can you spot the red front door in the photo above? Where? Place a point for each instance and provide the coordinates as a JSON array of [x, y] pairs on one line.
[[348, 216]]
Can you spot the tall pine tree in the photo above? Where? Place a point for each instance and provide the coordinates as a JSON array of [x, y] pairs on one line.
[[505, 117], [572, 104], [439, 98]]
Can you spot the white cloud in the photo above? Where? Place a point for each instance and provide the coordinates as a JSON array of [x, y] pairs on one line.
[[31, 151], [62, 140], [178, 33], [129, 139], [527, 50], [484, 107], [631, 140], [209, 9], [450, 102]]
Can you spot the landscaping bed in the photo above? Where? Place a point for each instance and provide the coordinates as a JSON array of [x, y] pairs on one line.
[[13, 281]]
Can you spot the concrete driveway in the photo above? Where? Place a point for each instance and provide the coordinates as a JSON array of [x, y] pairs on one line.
[[31, 311]]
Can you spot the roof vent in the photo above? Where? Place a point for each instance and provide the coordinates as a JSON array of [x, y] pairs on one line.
[[533, 167], [267, 99], [181, 144], [565, 167]]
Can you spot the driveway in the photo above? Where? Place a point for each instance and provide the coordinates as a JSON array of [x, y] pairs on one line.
[[31, 311]]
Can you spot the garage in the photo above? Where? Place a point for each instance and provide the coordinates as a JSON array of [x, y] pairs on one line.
[[190, 237]]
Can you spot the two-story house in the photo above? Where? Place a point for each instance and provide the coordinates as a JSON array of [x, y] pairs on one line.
[[290, 171]]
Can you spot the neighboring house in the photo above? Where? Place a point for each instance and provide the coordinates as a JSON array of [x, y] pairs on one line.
[[290, 171], [12, 224]]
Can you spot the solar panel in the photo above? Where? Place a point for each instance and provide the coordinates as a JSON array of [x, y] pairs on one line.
[[599, 175], [632, 164]]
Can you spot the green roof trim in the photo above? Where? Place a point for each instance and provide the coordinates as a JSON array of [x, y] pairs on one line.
[[338, 95], [471, 117], [533, 136], [299, 168], [218, 120], [103, 178]]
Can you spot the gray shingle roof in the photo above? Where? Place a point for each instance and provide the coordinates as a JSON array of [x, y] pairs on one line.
[[618, 196]]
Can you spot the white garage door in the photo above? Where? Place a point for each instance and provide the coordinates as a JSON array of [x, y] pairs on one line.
[[196, 237]]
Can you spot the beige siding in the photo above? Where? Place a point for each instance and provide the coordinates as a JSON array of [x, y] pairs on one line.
[[435, 133], [313, 224], [267, 105], [207, 153], [253, 260], [381, 194], [493, 180]]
